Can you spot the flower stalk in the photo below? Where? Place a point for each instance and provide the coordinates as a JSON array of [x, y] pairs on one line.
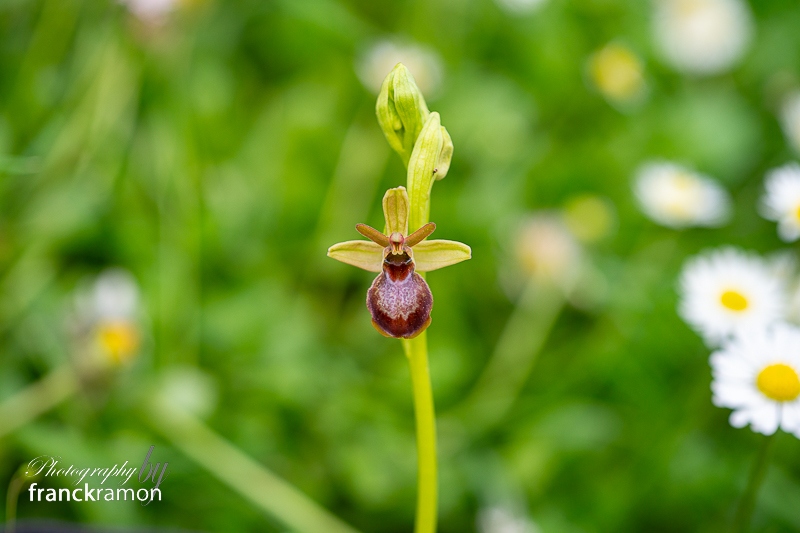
[[744, 513], [514, 356], [240, 472], [416, 351], [37, 398]]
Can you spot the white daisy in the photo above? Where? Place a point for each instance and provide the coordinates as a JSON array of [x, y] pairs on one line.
[[677, 197], [781, 200], [590, 218], [702, 36], [790, 119], [618, 73], [107, 313], [727, 290], [502, 520], [756, 375], [189, 389], [520, 7], [547, 250], [423, 63], [150, 10]]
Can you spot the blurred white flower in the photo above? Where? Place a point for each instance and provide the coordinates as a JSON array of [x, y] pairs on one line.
[[547, 250], [756, 375], [188, 388], [727, 290], [520, 7], [790, 119], [677, 197], [702, 36], [150, 10], [108, 311], [501, 520], [618, 73], [781, 200], [423, 63], [590, 218]]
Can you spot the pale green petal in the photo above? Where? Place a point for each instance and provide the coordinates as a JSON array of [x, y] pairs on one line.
[[361, 254], [395, 211], [435, 254]]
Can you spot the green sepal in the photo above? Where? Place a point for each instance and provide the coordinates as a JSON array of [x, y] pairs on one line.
[[361, 254], [435, 254]]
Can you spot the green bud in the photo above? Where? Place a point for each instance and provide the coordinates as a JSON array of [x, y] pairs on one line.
[[401, 111], [430, 161]]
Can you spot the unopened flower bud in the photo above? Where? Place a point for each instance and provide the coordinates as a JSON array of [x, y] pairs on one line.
[[401, 111], [429, 162]]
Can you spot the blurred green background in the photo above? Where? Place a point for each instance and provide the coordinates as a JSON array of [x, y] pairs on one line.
[[216, 151]]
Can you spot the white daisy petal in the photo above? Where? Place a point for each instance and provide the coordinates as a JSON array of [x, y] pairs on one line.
[[677, 197], [732, 394], [790, 417], [781, 200], [766, 419], [757, 374], [740, 418]]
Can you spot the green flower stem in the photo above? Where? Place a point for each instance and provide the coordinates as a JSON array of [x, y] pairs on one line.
[[416, 350], [401, 110], [745, 511], [37, 398], [514, 356], [12, 497], [241, 473]]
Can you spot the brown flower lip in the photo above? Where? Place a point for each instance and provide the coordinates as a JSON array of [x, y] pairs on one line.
[[399, 299]]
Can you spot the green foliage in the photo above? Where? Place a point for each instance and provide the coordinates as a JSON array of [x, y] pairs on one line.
[[216, 155]]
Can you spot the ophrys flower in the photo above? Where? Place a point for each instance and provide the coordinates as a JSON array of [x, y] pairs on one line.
[[399, 299]]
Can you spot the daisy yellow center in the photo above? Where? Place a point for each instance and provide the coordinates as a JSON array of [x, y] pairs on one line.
[[682, 196], [797, 212], [779, 382], [617, 72], [734, 300], [119, 340]]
